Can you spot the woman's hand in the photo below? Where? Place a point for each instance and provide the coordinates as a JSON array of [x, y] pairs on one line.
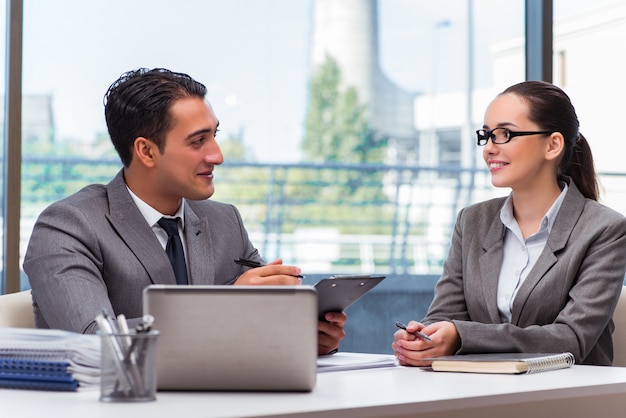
[[411, 350]]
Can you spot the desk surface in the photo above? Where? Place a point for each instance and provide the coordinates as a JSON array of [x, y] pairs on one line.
[[385, 392]]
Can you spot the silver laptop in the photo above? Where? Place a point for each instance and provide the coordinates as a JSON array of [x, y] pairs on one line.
[[235, 338]]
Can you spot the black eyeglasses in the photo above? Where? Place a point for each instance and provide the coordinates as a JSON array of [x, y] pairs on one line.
[[503, 136]]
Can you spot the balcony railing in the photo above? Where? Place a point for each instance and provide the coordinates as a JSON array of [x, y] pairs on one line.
[[328, 219], [339, 218]]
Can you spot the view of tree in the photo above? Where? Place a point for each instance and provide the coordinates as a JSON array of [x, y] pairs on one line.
[[336, 127], [337, 132], [339, 176]]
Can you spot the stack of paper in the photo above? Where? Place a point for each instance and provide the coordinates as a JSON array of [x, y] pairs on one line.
[[354, 361], [48, 359]]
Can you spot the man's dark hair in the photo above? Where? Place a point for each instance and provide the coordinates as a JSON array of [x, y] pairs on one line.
[[138, 105]]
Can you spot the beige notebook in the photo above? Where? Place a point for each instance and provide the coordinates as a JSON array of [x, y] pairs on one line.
[[503, 363], [236, 338]]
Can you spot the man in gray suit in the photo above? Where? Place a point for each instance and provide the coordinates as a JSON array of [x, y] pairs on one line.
[[99, 248]]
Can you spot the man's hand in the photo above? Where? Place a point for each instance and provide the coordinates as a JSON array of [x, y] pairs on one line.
[[330, 332], [274, 273]]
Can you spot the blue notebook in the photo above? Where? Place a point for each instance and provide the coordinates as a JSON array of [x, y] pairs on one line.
[[18, 373], [44, 359], [48, 377], [31, 365], [38, 385]]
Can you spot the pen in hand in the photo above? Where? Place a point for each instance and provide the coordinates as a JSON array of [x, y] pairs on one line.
[[254, 264], [416, 333]]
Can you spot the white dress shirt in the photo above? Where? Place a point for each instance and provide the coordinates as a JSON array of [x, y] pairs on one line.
[[520, 255], [152, 216]]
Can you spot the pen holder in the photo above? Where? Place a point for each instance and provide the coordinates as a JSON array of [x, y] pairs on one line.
[[128, 367]]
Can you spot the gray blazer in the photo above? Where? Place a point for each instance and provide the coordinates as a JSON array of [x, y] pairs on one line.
[[565, 304], [94, 250]]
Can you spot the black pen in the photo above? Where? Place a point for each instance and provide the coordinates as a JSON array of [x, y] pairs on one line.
[[254, 264], [416, 333]]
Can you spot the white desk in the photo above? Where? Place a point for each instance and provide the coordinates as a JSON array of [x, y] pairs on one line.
[[581, 391]]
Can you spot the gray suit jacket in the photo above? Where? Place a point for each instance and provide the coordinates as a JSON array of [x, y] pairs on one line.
[[565, 304], [94, 250]]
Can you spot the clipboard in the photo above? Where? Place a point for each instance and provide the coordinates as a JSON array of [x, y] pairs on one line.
[[336, 293]]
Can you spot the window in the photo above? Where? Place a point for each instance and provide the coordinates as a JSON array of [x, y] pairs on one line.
[[449, 148], [587, 64], [397, 68], [411, 81], [3, 143], [265, 71]]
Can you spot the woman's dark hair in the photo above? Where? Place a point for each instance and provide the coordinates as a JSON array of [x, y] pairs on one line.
[[552, 110], [138, 105]]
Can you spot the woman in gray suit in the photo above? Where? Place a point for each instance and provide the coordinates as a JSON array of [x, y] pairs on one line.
[[540, 270]]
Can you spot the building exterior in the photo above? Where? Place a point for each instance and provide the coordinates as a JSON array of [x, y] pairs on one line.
[[347, 30]]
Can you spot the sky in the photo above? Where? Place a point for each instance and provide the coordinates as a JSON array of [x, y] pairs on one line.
[[253, 56]]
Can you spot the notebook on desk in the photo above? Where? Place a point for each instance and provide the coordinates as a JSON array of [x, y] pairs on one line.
[[236, 338]]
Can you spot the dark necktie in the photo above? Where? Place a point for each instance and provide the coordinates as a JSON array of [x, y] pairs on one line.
[[174, 249]]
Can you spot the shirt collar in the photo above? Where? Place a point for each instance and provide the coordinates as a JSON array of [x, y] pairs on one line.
[[152, 215], [506, 212]]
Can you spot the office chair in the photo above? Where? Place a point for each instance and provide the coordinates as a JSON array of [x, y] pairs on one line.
[[619, 334], [16, 310]]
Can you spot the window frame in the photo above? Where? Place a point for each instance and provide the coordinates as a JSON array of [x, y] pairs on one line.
[[538, 36]]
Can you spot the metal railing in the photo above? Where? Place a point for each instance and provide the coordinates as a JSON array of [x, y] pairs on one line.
[[340, 218]]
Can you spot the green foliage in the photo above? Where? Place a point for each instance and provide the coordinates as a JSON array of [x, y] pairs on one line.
[[336, 126], [271, 198], [246, 186], [234, 149], [56, 174], [337, 131]]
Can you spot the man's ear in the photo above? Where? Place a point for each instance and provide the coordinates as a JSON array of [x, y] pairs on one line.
[[145, 151], [555, 146]]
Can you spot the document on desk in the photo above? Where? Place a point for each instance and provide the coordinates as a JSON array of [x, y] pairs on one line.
[[354, 361], [48, 359]]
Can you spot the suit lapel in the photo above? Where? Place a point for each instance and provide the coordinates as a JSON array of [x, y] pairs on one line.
[[490, 269], [199, 243], [566, 219], [132, 227]]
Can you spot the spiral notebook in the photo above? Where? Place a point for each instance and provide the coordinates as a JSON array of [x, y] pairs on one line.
[[37, 374], [40, 374], [43, 359], [503, 363]]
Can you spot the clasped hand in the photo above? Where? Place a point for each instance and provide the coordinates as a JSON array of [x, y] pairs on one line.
[[411, 350]]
